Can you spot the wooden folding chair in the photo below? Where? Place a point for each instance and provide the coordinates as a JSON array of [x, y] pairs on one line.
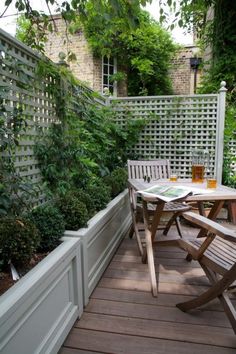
[[153, 170], [217, 256]]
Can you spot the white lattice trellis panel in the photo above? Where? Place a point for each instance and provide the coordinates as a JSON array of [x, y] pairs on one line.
[[175, 126], [24, 91]]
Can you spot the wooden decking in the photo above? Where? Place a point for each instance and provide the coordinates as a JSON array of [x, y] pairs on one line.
[[123, 317]]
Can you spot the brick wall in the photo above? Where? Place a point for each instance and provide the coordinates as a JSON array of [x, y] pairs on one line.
[[87, 67], [181, 73]]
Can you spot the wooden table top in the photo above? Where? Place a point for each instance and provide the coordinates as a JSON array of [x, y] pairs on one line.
[[220, 193]]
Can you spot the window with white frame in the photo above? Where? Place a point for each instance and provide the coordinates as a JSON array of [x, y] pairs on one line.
[[109, 67]]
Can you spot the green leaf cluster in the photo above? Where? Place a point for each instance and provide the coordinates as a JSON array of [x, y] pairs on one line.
[[19, 239], [37, 23], [83, 146], [144, 50]]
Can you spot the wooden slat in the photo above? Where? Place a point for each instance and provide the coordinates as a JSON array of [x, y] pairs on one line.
[[141, 297], [77, 351], [170, 288], [166, 277], [120, 343], [154, 312], [158, 329]]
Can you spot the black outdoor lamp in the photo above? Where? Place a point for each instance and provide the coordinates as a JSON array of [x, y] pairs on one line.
[[194, 64]]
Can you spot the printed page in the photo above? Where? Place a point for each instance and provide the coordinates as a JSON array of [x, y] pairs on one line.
[[166, 193]]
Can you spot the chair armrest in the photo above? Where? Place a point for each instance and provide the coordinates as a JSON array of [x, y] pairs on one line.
[[210, 225]]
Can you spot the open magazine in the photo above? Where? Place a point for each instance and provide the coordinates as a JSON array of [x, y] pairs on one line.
[[170, 193]]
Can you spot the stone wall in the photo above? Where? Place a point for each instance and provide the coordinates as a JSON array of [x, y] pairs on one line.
[[181, 73]]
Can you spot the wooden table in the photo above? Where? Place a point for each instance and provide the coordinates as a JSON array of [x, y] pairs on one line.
[[217, 196]]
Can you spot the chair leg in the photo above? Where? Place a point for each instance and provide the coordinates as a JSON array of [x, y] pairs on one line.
[[138, 239], [216, 290], [173, 219], [177, 222]]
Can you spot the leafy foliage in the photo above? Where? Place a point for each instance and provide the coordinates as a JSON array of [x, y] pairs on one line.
[[19, 239], [117, 180], [99, 192], [73, 210], [50, 223], [146, 50], [85, 143], [38, 22], [120, 29]]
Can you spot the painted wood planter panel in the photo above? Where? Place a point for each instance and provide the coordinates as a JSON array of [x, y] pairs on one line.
[[101, 239], [37, 313]]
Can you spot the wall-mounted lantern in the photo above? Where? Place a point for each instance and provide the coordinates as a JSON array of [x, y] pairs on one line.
[[194, 64]]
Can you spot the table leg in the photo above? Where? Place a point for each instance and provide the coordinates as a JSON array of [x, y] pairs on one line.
[[150, 232], [218, 204], [201, 208]]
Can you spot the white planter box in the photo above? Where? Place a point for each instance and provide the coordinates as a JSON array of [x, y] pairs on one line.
[[101, 239], [37, 313]]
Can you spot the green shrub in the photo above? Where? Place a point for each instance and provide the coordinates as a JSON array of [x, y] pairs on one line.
[[74, 211], [51, 225], [117, 181], [85, 198], [100, 194], [19, 239]]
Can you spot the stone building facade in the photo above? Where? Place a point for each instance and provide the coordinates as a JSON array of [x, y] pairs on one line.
[[92, 70]]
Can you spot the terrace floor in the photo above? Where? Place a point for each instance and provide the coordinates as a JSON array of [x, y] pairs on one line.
[[123, 317]]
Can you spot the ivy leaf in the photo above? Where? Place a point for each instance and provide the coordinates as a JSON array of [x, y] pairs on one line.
[[8, 2]]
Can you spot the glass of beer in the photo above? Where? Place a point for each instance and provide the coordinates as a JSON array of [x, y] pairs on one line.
[[211, 182], [200, 160], [198, 173], [173, 177]]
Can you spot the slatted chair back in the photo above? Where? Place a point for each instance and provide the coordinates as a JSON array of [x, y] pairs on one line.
[[154, 169], [217, 256]]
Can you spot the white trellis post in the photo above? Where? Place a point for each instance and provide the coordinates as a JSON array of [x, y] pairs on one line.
[[220, 132]]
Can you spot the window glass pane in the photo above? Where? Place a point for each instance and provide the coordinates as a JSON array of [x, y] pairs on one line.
[[105, 69], [111, 70], [105, 60], [105, 80]]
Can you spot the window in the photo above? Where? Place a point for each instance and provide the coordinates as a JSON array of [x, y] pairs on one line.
[[109, 67]]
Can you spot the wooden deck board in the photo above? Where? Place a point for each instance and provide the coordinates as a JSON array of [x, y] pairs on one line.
[[123, 317], [108, 342]]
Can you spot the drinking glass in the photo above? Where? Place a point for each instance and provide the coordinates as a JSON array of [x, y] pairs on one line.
[[200, 160], [173, 177]]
